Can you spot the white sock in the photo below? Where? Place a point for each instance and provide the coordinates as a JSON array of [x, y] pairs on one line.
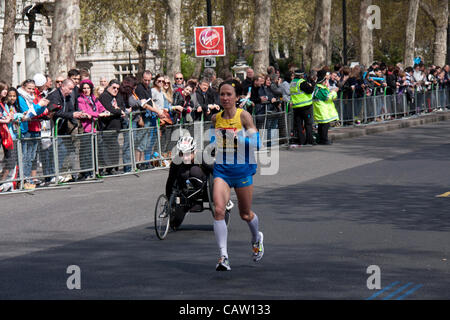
[[221, 233], [253, 225]]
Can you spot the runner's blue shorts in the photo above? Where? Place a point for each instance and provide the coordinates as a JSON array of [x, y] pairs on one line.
[[237, 183]]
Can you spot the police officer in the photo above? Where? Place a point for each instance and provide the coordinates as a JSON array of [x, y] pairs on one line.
[[301, 98], [324, 109]]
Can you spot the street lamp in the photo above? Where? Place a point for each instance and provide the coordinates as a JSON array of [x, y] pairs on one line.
[[344, 25], [208, 12]]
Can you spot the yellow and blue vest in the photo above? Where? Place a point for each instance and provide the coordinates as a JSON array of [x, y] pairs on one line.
[[234, 159]]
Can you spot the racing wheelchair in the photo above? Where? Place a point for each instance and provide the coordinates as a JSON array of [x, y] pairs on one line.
[[170, 213]]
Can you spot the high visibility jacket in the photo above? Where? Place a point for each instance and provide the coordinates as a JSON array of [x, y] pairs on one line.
[[298, 97], [324, 109]]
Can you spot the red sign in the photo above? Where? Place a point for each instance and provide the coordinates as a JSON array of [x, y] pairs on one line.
[[209, 41]]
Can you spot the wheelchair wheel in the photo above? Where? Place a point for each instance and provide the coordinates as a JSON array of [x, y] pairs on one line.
[[162, 216], [211, 202]]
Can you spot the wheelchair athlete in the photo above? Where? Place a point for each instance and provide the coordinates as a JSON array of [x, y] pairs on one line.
[[184, 171]]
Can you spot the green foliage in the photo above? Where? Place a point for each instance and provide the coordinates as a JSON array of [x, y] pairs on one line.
[[291, 25], [187, 65]]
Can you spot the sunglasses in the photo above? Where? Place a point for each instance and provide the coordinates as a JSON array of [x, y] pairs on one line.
[[159, 81], [115, 88], [167, 82], [178, 78], [59, 81]]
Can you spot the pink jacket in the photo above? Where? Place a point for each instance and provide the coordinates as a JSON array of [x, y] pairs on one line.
[[85, 105]]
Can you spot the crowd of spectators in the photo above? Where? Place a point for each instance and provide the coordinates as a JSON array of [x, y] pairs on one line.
[[72, 104]]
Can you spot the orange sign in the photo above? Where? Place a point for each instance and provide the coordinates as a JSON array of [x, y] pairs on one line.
[[209, 41]]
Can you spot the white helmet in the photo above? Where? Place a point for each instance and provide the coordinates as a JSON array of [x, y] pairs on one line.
[[186, 144]]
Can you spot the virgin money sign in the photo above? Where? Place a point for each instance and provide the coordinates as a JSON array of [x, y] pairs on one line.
[[209, 41]]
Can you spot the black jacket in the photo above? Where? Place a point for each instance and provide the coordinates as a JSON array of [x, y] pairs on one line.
[[247, 83], [203, 100], [185, 102], [307, 87], [64, 113], [113, 122], [142, 92]]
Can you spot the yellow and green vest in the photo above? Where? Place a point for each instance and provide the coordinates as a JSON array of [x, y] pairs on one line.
[[298, 97], [324, 109]]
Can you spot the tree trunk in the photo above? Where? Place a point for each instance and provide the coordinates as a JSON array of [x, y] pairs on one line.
[[439, 18], [143, 46], [411, 32], [262, 35], [198, 68], [7, 56], [448, 43], [228, 13], [173, 38], [321, 36], [366, 40], [440, 40], [66, 22]]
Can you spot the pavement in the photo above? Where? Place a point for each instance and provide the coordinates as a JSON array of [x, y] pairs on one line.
[[340, 133], [328, 214]]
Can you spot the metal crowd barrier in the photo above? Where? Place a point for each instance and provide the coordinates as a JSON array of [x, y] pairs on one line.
[[381, 107], [95, 153]]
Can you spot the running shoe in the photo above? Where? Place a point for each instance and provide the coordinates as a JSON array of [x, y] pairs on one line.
[[258, 248], [223, 264]]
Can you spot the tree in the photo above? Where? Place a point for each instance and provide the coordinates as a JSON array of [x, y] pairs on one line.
[[262, 35], [7, 55], [366, 40], [289, 27], [229, 21], [439, 17], [173, 37], [410, 39], [131, 17], [321, 34], [66, 22]]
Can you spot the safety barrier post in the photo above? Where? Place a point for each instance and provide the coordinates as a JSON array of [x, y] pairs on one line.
[[202, 130], [93, 145], [342, 110], [374, 99], [158, 133], [365, 107], [20, 156], [353, 108], [286, 123], [415, 100], [131, 139], [395, 105], [55, 150]]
